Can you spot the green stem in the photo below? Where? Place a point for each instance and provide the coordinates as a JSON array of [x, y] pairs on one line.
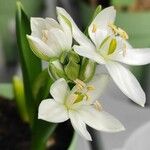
[[38, 142]]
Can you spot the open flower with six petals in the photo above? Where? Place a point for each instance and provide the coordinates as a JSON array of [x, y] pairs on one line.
[[108, 46], [79, 105]]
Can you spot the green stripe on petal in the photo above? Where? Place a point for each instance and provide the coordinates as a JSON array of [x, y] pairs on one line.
[[112, 46]]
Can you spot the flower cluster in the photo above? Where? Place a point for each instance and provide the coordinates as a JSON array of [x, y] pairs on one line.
[[77, 86]]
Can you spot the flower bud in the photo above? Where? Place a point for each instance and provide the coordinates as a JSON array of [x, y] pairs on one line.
[[87, 70], [56, 70], [67, 56], [70, 60], [72, 70]]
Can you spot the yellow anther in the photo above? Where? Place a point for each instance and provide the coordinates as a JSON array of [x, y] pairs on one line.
[[123, 34], [113, 27], [90, 88], [44, 35], [118, 31], [80, 83], [79, 87], [94, 28], [98, 106]]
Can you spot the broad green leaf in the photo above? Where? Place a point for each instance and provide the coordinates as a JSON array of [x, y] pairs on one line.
[[30, 64], [6, 90], [41, 130], [41, 86], [18, 89]]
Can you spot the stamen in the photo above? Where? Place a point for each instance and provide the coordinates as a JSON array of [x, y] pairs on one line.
[[94, 28], [90, 88], [118, 31], [44, 35], [123, 34], [124, 50], [72, 98], [113, 27], [98, 106], [80, 83]]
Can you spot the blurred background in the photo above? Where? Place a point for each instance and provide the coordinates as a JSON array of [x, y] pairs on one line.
[[134, 17]]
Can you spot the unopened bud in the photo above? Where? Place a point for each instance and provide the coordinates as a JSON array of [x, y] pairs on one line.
[[56, 70], [87, 70], [72, 70]]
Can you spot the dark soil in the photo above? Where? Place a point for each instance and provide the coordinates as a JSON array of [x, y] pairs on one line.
[[15, 134]]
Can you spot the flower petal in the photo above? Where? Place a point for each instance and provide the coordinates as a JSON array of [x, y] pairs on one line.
[[127, 82], [37, 25], [101, 21], [100, 120], [99, 82], [40, 49], [105, 17], [77, 34], [134, 56], [87, 52], [57, 39], [51, 23], [51, 111], [98, 37], [78, 125], [59, 90], [66, 29]]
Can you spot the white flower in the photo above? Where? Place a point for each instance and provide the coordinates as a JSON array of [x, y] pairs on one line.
[[79, 106], [49, 38], [108, 46]]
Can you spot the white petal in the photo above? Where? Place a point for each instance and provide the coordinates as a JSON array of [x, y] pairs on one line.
[[37, 25], [87, 52], [99, 82], [51, 23], [100, 120], [79, 125], [40, 49], [105, 17], [98, 36], [59, 90], [51, 111], [134, 56], [101, 21], [66, 29], [57, 40], [127, 82], [77, 34]]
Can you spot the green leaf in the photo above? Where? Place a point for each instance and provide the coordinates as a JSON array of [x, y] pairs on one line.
[[20, 98], [41, 130], [41, 86], [30, 64], [6, 90]]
